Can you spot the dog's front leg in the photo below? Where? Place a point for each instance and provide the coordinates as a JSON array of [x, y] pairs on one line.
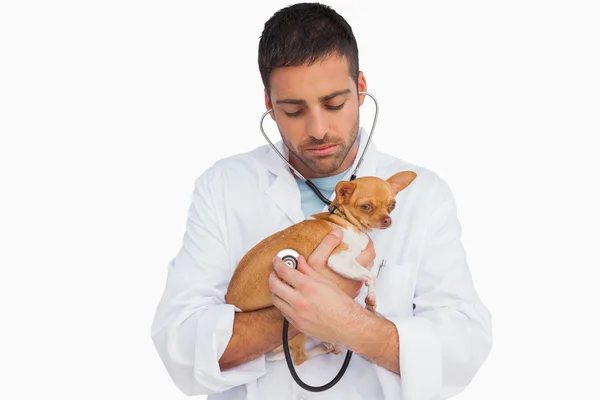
[[345, 265]]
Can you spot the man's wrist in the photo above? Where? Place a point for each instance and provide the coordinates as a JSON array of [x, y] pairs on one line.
[[370, 334], [278, 317], [376, 339], [360, 321]]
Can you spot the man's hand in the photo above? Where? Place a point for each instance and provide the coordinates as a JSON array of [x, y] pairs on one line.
[[311, 301]]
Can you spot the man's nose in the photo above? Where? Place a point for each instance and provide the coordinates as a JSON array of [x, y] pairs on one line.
[[318, 125]]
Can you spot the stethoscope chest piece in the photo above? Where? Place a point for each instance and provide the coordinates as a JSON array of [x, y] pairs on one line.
[[289, 257]]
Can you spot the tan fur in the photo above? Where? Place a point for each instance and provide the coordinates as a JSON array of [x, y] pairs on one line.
[[249, 286], [249, 289]]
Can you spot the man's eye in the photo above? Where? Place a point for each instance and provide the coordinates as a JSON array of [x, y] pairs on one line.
[[294, 114], [338, 107]]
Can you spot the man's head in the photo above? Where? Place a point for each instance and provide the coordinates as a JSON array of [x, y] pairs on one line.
[[308, 60]]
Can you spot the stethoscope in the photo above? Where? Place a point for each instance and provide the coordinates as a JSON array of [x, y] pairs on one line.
[[290, 256], [308, 182]]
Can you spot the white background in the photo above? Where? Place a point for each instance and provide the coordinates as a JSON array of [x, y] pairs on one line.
[[106, 110]]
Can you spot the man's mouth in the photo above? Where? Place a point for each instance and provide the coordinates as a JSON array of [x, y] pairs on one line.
[[324, 150]]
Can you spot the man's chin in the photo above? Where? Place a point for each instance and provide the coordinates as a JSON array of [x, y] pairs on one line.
[[324, 164], [322, 167]]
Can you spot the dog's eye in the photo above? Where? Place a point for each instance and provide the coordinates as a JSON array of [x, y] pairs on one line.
[[392, 206], [366, 207]]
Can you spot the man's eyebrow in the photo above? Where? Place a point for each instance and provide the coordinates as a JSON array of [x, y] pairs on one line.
[[332, 95], [321, 99]]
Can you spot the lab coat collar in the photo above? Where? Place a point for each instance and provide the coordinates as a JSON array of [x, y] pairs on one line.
[[284, 191]]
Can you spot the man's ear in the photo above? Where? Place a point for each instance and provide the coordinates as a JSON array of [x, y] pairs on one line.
[[362, 87], [343, 191], [401, 180], [269, 105]]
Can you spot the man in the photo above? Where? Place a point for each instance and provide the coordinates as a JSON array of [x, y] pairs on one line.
[[431, 332]]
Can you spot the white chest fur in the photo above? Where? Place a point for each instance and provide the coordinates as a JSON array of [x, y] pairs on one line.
[[356, 241], [344, 262]]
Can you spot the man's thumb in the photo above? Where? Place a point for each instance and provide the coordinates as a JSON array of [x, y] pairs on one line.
[[326, 246], [332, 240]]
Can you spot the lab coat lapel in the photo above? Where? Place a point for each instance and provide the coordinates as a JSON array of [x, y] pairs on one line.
[[283, 190]]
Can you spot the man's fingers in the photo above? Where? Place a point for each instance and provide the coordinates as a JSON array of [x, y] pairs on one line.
[[324, 249], [283, 306], [279, 287], [288, 275], [306, 269]]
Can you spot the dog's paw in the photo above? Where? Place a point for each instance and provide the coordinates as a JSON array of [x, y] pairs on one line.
[[370, 303], [276, 354], [331, 348]]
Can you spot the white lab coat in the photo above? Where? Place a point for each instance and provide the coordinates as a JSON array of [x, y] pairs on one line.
[[244, 198]]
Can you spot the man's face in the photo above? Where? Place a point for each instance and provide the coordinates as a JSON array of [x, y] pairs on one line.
[[316, 109]]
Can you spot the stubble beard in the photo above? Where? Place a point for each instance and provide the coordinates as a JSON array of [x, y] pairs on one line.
[[324, 165]]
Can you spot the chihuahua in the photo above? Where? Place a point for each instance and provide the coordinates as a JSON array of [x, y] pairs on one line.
[[359, 206]]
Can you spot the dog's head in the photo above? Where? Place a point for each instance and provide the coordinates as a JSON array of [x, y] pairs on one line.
[[368, 201]]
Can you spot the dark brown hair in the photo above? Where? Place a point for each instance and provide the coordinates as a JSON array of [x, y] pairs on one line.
[[302, 33]]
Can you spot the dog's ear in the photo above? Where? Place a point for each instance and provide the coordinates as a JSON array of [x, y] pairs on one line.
[[401, 180], [343, 191]]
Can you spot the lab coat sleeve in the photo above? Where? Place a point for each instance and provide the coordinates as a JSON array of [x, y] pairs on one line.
[[449, 337], [192, 325]]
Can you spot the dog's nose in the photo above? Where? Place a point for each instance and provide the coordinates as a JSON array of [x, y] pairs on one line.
[[386, 221]]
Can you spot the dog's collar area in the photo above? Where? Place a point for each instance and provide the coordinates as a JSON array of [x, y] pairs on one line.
[[334, 210]]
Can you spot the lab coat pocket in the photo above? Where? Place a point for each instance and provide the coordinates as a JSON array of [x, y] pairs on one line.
[[394, 290]]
